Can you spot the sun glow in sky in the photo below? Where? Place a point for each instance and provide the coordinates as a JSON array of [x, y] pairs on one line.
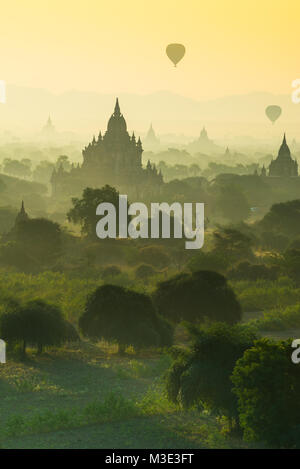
[[232, 46]]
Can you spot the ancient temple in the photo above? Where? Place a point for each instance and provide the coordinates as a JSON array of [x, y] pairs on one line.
[[151, 138], [22, 215], [48, 129], [203, 144], [283, 165], [115, 159], [203, 135]]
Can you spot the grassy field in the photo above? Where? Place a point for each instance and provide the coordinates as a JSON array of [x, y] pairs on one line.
[[88, 397]]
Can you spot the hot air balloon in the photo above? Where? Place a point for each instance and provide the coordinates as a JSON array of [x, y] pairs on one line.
[[175, 52], [273, 112]]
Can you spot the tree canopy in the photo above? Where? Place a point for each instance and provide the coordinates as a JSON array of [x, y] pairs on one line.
[[267, 385], [232, 244], [202, 376], [283, 218], [83, 211], [36, 323], [118, 314], [231, 203], [39, 238], [196, 297]]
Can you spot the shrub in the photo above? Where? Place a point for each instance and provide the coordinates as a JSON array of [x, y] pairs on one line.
[[267, 385], [210, 260], [156, 256], [36, 323], [202, 377], [199, 296], [110, 271], [291, 263], [265, 294], [40, 238], [279, 320], [247, 271], [125, 316], [274, 241], [144, 271], [283, 218]]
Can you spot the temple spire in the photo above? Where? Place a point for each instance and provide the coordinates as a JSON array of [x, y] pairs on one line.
[[22, 215], [117, 111]]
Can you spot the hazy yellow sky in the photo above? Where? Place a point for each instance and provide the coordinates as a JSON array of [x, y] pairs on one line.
[[232, 46]]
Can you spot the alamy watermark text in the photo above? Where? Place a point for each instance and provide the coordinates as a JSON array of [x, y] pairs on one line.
[[141, 226]]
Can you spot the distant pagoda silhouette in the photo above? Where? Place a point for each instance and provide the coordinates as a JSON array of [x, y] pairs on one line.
[[22, 215], [283, 165], [48, 129], [151, 138], [203, 144]]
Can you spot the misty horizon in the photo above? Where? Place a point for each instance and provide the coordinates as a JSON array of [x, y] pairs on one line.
[[226, 117]]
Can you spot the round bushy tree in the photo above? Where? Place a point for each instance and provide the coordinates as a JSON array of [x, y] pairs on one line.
[[267, 385], [110, 271], [246, 271], [283, 218], [234, 244], [36, 323], [291, 263], [118, 314], [156, 256], [198, 296], [144, 271], [202, 376], [231, 203], [83, 211], [40, 238], [211, 260]]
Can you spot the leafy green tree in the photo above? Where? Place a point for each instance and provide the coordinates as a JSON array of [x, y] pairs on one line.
[[232, 204], [283, 218], [36, 323], [157, 256], [14, 255], [176, 190], [112, 251], [290, 263], [7, 218], [63, 160], [194, 170], [267, 385], [125, 316], [144, 271], [294, 244], [110, 271], [246, 271], [27, 162], [16, 168], [84, 209], [274, 241], [211, 260], [202, 376], [43, 171], [40, 238], [197, 297], [2, 186], [232, 244]]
